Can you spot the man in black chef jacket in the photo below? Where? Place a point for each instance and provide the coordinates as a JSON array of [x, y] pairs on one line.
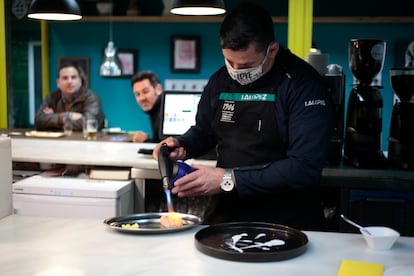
[[268, 114]]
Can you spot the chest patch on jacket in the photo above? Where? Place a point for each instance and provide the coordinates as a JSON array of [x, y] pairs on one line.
[[230, 100]]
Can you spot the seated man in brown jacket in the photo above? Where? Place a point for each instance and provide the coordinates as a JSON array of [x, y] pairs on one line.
[[72, 99]]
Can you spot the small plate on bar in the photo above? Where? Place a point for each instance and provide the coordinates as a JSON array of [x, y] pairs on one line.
[[44, 134], [149, 223]]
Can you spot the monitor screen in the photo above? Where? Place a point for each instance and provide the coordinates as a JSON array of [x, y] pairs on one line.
[[179, 109]]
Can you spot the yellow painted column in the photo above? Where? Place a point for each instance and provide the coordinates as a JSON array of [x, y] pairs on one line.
[[45, 58], [300, 22], [3, 68]]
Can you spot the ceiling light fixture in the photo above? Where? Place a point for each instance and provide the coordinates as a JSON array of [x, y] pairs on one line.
[[111, 65], [54, 10], [198, 7]]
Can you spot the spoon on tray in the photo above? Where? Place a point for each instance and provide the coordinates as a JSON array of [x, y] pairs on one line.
[[361, 228]]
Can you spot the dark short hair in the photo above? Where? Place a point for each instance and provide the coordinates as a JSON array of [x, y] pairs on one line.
[[77, 67], [245, 24], [143, 75]]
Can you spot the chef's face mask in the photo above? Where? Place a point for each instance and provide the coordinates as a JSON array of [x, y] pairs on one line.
[[246, 75]]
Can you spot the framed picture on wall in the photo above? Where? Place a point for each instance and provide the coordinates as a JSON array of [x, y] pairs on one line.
[[129, 61], [185, 54], [82, 62]]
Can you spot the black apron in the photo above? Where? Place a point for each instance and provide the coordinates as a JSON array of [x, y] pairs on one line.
[[246, 129]]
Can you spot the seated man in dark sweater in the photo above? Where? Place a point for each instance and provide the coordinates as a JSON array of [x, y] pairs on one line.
[[147, 90]]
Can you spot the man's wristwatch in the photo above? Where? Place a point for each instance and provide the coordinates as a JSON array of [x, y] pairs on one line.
[[227, 184]]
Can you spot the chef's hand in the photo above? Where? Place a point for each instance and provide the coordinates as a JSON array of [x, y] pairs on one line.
[[203, 181], [177, 152]]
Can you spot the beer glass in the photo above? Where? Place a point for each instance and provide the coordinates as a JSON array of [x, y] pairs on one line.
[[91, 129]]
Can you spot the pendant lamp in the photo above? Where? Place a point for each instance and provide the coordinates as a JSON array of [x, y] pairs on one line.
[[55, 10], [111, 65], [198, 7]]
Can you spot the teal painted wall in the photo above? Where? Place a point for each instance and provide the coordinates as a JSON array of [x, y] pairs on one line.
[[153, 43]]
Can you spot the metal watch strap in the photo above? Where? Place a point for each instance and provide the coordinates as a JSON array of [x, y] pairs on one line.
[[227, 183]]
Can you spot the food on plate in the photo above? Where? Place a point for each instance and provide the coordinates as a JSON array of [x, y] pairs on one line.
[[171, 220], [127, 225]]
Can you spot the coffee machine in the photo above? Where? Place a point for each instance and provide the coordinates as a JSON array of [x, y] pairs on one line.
[[362, 146], [401, 139]]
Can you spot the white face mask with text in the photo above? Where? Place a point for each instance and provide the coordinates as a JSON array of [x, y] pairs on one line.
[[246, 75]]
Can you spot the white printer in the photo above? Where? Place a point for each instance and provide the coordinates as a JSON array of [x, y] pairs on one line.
[[72, 197]]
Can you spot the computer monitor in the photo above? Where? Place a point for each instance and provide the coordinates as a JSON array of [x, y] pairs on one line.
[[179, 109]]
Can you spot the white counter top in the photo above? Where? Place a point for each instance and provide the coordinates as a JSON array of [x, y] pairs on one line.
[[97, 153], [120, 154], [57, 246], [81, 152], [124, 154]]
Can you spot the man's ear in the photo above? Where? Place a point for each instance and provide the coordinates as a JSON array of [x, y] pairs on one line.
[[273, 49], [158, 89]]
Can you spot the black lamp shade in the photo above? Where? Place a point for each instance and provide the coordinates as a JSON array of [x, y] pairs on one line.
[[198, 7], [55, 10]]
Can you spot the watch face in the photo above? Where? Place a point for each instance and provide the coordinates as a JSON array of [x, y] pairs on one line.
[[227, 185]]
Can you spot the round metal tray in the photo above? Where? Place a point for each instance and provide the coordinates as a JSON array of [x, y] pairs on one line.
[[251, 241], [149, 223]]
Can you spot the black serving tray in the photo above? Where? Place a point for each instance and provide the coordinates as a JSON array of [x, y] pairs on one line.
[[251, 241]]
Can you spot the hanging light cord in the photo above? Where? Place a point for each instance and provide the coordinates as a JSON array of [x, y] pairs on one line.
[[110, 23]]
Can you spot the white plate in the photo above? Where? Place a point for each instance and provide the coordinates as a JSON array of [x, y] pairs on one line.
[[47, 134]]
